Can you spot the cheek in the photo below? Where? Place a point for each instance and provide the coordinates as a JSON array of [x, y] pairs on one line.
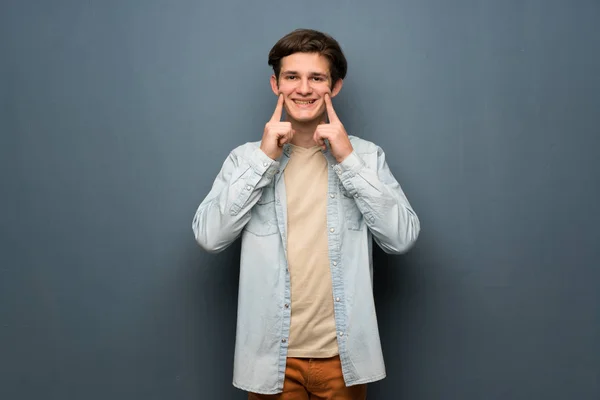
[[285, 88], [322, 90]]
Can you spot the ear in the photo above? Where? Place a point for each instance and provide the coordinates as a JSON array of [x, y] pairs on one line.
[[274, 85], [337, 87]]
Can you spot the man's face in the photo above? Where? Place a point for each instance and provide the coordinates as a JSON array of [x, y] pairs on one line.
[[304, 79]]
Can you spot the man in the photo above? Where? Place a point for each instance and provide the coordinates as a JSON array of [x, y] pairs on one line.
[[307, 200]]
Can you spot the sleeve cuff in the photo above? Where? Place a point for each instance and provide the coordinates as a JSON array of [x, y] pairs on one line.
[[351, 164], [262, 164]]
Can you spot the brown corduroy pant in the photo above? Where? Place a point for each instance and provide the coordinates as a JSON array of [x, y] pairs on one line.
[[315, 379]]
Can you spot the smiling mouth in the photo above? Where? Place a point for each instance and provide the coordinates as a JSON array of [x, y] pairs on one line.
[[304, 102]]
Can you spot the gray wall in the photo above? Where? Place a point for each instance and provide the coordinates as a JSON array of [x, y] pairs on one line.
[[115, 117]]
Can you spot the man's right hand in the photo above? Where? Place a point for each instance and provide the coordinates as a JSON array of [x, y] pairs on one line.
[[276, 133]]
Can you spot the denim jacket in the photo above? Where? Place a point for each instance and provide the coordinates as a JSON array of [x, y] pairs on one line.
[[248, 200]]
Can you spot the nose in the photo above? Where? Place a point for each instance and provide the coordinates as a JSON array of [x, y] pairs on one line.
[[304, 87]]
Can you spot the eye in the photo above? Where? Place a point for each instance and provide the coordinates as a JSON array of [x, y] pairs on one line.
[[317, 79], [290, 77]]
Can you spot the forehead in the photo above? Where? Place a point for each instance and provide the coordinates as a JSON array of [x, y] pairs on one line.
[[305, 63]]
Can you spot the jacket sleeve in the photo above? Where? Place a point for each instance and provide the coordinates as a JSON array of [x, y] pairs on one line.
[[385, 208], [224, 212]]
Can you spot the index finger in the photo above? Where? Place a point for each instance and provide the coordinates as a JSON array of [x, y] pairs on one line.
[[278, 109], [330, 111]]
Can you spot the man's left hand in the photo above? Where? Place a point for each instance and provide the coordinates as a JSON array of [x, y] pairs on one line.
[[335, 133]]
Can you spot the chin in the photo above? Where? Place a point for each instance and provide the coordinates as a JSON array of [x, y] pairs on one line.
[[305, 117]]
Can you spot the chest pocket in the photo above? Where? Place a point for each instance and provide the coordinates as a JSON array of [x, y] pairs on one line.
[[263, 220], [353, 216]]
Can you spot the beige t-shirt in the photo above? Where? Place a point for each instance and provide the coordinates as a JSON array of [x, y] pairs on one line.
[[312, 330]]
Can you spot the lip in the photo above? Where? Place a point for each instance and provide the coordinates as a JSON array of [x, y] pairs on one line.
[[309, 105]]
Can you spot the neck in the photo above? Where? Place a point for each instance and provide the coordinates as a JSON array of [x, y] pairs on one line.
[[304, 131]]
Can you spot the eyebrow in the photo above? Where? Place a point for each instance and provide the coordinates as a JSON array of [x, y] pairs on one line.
[[310, 74]]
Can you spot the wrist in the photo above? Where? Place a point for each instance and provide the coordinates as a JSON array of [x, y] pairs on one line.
[[268, 153], [342, 157]]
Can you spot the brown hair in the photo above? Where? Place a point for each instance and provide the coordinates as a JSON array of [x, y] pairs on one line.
[[310, 41]]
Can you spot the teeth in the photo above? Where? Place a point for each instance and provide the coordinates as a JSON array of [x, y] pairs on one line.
[[304, 102]]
